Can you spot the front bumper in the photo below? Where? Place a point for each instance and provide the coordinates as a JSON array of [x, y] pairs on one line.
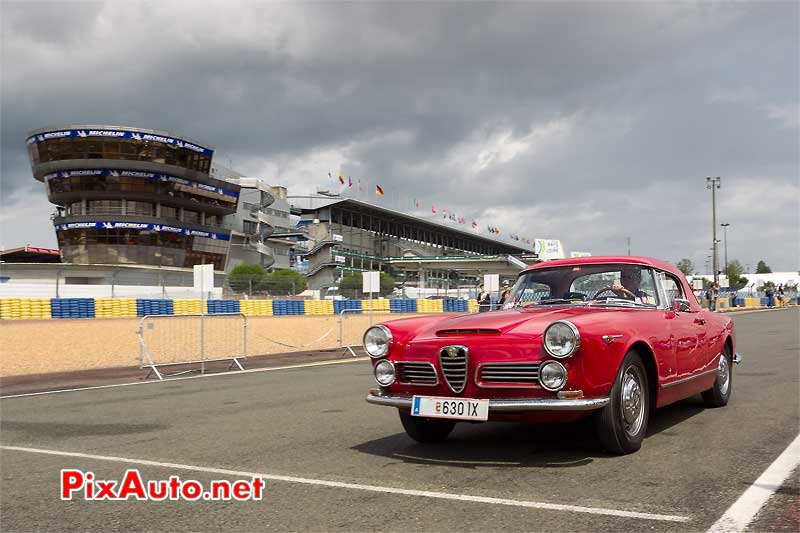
[[507, 405]]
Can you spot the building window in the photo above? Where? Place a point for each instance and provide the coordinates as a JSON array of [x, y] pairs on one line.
[[140, 208], [191, 216], [169, 212], [104, 207]]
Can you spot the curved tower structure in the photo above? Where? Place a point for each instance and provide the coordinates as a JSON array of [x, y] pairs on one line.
[[130, 195]]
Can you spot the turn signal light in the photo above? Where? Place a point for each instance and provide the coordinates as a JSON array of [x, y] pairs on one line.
[[570, 394]]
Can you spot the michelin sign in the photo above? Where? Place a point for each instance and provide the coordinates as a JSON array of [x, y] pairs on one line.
[[120, 134], [143, 226]]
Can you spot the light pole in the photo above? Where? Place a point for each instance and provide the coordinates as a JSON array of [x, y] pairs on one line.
[[714, 184], [629, 246], [725, 238]]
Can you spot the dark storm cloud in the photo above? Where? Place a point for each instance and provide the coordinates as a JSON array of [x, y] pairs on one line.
[[585, 121]]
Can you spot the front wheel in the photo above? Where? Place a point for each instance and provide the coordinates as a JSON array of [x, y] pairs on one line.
[[719, 394], [423, 429], [622, 423]]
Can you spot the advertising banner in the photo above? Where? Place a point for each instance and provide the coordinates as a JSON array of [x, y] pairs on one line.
[[142, 226], [154, 176], [120, 134]]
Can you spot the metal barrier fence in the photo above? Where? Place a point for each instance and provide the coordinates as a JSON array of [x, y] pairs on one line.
[[169, 340]]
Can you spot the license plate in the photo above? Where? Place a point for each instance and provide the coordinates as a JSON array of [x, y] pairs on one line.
[[457, 408]]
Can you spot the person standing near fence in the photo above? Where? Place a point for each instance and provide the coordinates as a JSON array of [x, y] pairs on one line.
[[484, 300], [504, 295]]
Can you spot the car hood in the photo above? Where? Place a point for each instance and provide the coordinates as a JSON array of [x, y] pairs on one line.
[[527, 322]]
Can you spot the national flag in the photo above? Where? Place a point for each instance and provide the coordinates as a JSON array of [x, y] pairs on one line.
[[416, 203], [349, 181], [378, 190], [341, 179], [433, 209], [359, 185], [330, 177], [474, 224]]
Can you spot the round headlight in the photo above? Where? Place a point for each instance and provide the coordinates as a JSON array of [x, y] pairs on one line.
[[552, 375], [377, 340], [384, 373], [561, 339]]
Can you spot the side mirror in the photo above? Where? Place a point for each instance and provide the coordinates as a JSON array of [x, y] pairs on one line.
[[680, 305]]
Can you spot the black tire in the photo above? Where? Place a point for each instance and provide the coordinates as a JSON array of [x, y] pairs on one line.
[[423, 429], [719, 394], [621, 431]]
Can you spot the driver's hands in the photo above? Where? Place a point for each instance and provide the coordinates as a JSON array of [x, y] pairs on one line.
[[617, 288]]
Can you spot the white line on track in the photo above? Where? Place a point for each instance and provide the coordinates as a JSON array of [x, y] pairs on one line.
[[168, 380], [359, 486], [744, 510]]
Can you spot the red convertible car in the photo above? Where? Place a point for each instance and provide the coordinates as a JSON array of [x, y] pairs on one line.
[[612, 337]]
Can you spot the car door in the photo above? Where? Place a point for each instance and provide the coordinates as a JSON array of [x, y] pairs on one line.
[[688, 330]]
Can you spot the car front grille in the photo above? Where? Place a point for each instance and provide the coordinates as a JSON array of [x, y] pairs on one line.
[[508, 374], [453, 362], [416, 373]]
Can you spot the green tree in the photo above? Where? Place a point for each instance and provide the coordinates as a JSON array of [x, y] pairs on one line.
[[285, 282], [686, 266], [762, 268], [351, 284], [734, 273], [246, 278]]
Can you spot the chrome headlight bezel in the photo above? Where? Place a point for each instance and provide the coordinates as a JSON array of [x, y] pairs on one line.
[[378, 353], [385, 362], [563, 372], [572, 329]]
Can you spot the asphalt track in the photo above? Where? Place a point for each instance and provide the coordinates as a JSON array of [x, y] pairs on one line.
[[336, 463]]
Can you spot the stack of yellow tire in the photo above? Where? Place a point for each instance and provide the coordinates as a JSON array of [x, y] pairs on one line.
[[472, 306], [24, 308], [319, 307], [256, 307], [376, 306], [114, 307], [430, 306], [187, 307], [752, 302]]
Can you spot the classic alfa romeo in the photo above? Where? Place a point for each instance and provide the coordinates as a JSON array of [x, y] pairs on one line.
[[610, 337]]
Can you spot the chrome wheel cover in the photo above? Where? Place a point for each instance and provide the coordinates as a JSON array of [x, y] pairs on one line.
[[724, 374], [632, 400]]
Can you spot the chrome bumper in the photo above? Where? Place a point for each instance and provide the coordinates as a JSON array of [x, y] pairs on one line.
[[509, 405]]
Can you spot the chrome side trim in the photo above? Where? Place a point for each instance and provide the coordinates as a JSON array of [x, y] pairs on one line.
[[399, 366], [510, 405], [689, 378], [479, 383]]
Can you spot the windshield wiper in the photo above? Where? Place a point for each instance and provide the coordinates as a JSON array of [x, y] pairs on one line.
[[546, 302], [617, 301]]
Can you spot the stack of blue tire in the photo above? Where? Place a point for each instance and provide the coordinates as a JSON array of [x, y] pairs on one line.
[[401, 305], [154, 307], [220, 307], [72, 307], [288, 307], [455, 306], [339, 305]]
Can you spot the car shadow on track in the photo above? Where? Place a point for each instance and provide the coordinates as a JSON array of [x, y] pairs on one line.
[[520, 445]]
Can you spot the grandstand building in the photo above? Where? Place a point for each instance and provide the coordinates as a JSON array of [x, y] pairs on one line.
[[348, 235], [144, 197]]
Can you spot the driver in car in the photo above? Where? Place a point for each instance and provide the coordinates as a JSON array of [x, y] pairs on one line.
[[630, 279]]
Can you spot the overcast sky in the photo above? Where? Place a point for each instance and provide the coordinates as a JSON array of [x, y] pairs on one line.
[[587, 122]]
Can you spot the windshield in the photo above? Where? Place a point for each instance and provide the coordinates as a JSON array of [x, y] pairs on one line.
[[626, 285]]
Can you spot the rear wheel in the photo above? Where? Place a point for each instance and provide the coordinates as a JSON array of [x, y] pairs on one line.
[[622, 423], [423, 429], [720, 392]]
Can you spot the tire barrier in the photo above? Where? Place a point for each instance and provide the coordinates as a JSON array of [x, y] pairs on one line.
[[319, 307], [24, 308], [403, 306], [114, 307], [430, 306], [288, 307], [223, 307], [188, 307], [154, 307], [376, 306], [352, 306], [256, 307], [456, 306], [72, 307]]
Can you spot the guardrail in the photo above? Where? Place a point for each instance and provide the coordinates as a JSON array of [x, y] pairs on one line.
[[170, 340]]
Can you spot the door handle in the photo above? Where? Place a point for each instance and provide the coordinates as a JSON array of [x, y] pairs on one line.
[[700, 320]]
